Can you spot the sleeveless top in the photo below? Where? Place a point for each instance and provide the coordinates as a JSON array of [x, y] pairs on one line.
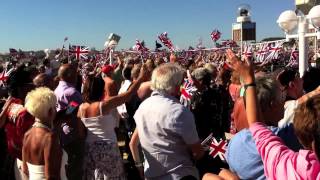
[[101, 127], [36, 172]]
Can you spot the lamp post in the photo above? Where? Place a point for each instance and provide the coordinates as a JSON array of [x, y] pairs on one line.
[[289, 21]]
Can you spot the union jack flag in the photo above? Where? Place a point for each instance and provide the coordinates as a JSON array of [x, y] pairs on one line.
[[262, 53], [215, 35], [187, 92], [274, 52], [5, 75], [80, 52], [294, 56], [140, 47], [216, 148], [247, 50], [166, 41]]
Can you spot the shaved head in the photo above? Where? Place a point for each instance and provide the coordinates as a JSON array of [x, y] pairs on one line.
[[67, 73], [43, 80]]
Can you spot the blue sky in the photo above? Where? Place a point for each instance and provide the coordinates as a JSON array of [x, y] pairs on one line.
[[41, 24]]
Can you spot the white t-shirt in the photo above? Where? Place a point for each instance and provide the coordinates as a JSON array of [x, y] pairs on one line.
[[289, 108]]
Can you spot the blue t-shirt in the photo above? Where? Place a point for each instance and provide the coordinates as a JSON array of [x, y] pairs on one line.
[[243, 157]]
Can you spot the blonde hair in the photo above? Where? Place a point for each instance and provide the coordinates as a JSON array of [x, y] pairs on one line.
[[39, 101], [167, 77]]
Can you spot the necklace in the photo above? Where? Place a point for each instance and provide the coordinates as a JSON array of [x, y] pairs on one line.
[[38, 124]]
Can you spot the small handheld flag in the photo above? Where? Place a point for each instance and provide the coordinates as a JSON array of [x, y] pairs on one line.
[[80, 52]]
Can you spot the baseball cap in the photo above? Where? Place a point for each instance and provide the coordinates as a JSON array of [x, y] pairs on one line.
[[107, 69]]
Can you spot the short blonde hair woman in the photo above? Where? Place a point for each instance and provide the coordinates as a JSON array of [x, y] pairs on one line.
[[41, 152]]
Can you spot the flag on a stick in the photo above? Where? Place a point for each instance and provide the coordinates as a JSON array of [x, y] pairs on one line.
[[80, 52], [166, 41], [216, 148], [215, 35]]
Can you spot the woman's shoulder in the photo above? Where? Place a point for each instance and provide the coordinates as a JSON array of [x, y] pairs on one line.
[[84, 106], [88, 109], [51, 137]]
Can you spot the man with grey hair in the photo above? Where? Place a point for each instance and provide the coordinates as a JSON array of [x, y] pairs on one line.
[[242, 155], [167, 130]]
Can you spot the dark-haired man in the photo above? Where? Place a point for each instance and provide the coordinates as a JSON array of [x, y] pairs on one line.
[[292, 87], [67, 93]]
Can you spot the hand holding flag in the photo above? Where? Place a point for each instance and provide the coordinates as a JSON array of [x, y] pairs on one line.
[[215, 148], [166, 41]]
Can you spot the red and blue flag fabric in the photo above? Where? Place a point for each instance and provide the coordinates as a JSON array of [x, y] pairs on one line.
[[166, 41], [215, 35], [80, 52], [215, 147], [294, 57]]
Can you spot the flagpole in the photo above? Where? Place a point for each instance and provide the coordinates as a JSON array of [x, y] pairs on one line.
[[110, 56], [241, 44], [69, 54]]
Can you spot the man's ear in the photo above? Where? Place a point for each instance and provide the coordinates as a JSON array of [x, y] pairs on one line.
[[291, 84]]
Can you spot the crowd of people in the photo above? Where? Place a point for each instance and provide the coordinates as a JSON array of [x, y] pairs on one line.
[[63, 118]]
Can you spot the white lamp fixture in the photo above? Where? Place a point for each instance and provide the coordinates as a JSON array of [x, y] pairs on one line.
[[288, 21], [314, 17]]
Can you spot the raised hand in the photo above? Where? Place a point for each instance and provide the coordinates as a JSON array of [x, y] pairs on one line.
[[244, 68], [173, 58], [144, 73]]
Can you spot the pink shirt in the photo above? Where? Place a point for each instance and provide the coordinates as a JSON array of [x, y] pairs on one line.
[[279, 161]]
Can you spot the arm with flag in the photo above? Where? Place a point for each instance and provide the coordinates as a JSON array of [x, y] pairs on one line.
[[139, 46], [166, 41]]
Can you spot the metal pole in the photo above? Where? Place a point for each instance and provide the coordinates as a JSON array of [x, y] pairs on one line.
[[110, 56], [314, 58], [241, 42], [303, 57]]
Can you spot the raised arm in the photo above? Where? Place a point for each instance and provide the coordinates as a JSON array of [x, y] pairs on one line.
[[3, 113], [116, 101], [245, 69], [273, 152]]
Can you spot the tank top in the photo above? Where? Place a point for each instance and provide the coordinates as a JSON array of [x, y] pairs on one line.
[[36, 172], [101, 127]]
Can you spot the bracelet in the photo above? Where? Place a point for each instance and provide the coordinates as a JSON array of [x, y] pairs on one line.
[[139, 164], [253, 84]]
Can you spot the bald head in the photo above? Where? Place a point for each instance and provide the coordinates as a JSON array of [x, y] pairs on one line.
[[43, 80], [67, 73]]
